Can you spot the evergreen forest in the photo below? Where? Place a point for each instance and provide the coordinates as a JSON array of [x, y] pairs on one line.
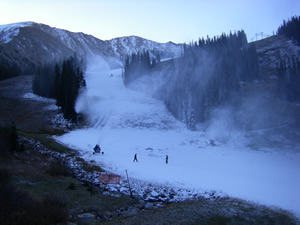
[[288, 70], [61, 81], [291, 29], [208, 74]]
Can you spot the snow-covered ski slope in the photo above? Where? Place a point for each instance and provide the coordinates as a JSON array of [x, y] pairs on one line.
[[129, 121]]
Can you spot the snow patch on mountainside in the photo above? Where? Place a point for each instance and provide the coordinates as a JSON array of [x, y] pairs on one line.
[[41, 43], [132, 44], [7, 32]]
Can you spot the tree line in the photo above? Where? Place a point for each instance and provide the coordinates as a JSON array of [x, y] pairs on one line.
[[208, 74], [138, 64], [288, 72], [61, 81], [8, 70], [291, 29]]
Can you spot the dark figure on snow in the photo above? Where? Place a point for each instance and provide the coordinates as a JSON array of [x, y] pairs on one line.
[[212, 142], [135, 158], [97, 149], [167, 159]]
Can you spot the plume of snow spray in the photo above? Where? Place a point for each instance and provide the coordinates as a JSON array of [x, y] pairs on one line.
[[92, 102]]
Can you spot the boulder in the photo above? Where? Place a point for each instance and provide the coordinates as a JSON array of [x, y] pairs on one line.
[[85, 218], [148, 206], [154, 194], [131, 212]]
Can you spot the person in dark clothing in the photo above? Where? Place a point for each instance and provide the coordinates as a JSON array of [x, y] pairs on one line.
[[135, 158], [97, 149], [167, 159]]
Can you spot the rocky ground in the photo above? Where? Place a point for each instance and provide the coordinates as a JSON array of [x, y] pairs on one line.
[[45, 167]]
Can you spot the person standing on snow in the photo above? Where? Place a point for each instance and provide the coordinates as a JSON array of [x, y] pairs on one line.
[[167, 159], [135, 158]]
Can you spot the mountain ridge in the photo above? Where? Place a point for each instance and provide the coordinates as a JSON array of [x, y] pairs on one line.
[[29, 44]]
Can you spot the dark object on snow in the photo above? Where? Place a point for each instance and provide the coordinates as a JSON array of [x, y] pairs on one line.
[[212, 142], [167, 159], [97, 149], [135, 158]]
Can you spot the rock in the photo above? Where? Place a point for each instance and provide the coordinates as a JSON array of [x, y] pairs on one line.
[[111, 188], [94, 209], [141, 201], [123, 189], [162, 199], [27, 153], [151, 199], [172, 192], [67, 223], [107, 216], [159, 205], [85, 218], [16, 155], [154, 194], [148, 206], [131, 212]]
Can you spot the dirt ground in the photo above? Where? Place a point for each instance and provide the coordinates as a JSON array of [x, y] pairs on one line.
[[27, 114]]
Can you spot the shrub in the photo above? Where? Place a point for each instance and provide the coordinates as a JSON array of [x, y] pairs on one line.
[[9, 140], [3, 148], [4, 177], [56, 169], [13, 138], [219, 220], [18, 207], [72, 186]]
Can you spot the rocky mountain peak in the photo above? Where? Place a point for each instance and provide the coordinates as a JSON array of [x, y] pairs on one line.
[[29, 44]]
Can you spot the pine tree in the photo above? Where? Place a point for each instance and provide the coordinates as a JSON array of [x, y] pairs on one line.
[[291, 29], [61, 82], [57, 86], [210, 71]]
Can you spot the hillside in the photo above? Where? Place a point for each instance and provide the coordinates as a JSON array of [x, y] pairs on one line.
[[270, 50]]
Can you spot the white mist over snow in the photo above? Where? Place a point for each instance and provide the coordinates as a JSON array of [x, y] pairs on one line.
[[128, 121]]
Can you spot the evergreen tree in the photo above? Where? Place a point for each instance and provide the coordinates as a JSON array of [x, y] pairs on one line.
[[62, 83], [208, 75], [291, 29], [57, 85], [70, 82], [137, 65], [8, 69], [43, 81]]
